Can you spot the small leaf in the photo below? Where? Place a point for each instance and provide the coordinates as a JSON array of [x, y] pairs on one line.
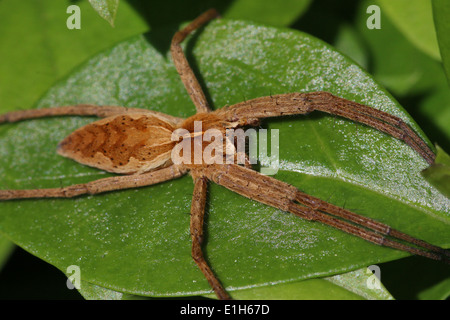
[[357, 282], [441, 13], [107, 9], [438, 174], [442, 157], [93, 292]]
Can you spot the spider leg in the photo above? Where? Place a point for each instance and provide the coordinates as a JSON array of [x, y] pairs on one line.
[[196, 229], [182, 65], [281, 195], [79, 110], [97, 186], [381, 228], [248, 112]]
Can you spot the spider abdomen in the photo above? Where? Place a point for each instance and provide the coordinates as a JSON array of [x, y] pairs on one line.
[[126, 144]]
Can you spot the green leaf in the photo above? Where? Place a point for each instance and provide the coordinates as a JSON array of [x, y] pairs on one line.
[[401, 67], [442, 157], [94, 292], [434, 111], [314, 289], [107, 9], [350, 43], [47, 49], [409, 74], [138, 242], [441, 14], [438, 174], [414, 18], [348, 286]]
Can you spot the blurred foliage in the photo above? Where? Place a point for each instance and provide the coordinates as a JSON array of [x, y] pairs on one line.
[[414, 18], [438, 174], [441, 12]]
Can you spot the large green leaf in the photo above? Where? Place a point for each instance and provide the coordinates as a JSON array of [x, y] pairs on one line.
[[137, 241]]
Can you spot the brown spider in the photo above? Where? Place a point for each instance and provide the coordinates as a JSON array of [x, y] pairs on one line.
[[139, 144]]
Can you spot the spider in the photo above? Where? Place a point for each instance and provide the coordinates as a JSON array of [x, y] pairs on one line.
[[139, 144]]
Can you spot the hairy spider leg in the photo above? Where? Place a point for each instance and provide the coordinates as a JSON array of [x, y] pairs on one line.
[[98, 186], [187, 76], [281, 195], [196, 229], [248, 112]]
